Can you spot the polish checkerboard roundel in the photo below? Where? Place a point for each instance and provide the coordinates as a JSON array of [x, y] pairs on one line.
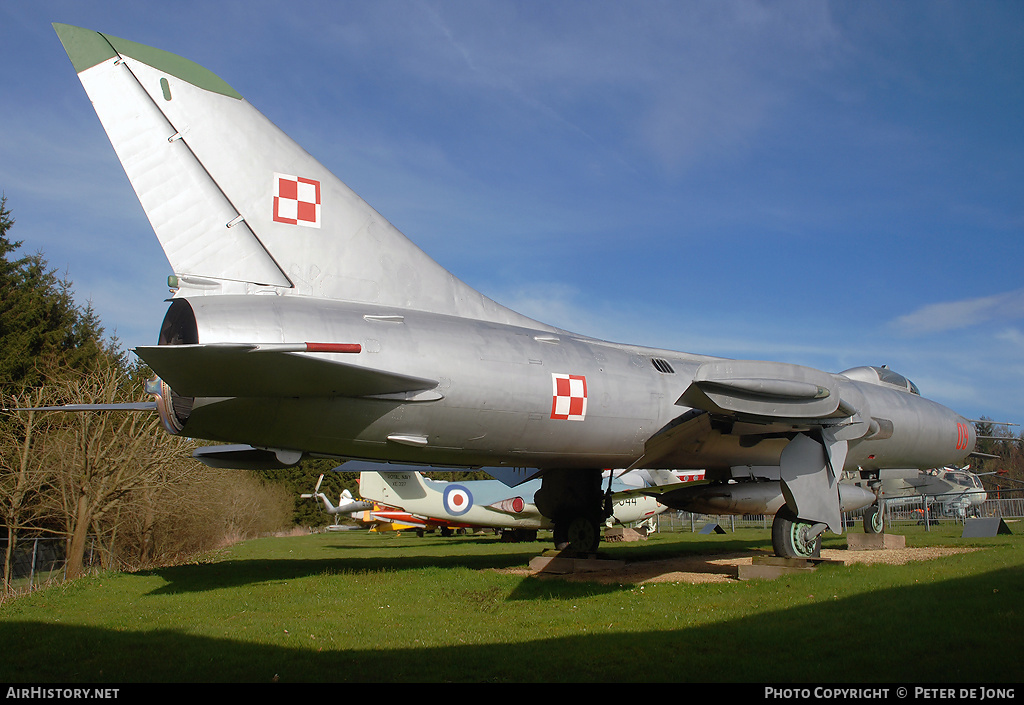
[[568, 397], [457, 500], [296, 200]]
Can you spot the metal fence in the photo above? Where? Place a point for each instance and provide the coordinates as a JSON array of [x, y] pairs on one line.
[[927, 511], [37, 560]]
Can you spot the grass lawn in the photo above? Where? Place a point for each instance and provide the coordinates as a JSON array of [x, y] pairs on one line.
[[364, 607]]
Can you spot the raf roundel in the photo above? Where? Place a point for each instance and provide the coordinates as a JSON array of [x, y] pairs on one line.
[[457, 500]]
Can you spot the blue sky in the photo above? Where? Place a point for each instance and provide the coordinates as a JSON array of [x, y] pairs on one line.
[[824, 183]]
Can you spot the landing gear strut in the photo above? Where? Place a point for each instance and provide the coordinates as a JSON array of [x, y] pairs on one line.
[[574, 501], [874, 520]]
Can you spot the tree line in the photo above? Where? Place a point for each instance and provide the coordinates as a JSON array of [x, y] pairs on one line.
[[1004, 471], [114, 477]]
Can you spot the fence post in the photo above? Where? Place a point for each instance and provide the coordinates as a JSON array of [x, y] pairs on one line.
[[32, 565]]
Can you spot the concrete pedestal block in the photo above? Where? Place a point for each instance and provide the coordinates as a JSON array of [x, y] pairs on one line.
[[560, 564], [771, 567], [874, 542]]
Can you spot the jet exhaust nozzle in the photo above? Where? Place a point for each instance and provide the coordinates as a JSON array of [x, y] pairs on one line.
[[173, 409]]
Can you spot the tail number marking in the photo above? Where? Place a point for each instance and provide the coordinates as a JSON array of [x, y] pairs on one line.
[[963, 436]]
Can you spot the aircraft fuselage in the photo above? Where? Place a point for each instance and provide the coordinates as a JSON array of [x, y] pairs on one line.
[[511, 395]]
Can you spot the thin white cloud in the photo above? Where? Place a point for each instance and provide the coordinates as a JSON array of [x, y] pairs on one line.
[[955, 315], [678, 83], [1014, 336]]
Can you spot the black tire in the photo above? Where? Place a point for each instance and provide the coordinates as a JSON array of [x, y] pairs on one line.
[[789, 537], [874, 520], [578, 535]]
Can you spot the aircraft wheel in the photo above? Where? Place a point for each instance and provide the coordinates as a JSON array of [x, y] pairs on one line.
[[791, 537], [874, 520], [578, 535], [561, 536]]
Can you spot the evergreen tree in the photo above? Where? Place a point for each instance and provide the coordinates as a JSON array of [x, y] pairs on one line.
[[114, 477], [40, 323], [44, 336]]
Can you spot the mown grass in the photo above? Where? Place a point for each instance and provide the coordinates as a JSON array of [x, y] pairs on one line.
[[373, 608]]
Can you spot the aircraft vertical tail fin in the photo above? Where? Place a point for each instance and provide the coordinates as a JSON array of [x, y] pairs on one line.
[[196, 222], [236, 204], [392, 488]]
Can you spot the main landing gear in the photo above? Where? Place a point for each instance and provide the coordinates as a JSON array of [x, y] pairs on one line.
[[574, 501], [581, 534], [795, 538]]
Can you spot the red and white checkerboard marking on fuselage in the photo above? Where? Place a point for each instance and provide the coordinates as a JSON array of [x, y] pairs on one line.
[[569, 397], [296, 200]]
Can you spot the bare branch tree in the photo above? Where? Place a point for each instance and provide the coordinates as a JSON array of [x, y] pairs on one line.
[[119, 478], [23, 476], [102, 458]]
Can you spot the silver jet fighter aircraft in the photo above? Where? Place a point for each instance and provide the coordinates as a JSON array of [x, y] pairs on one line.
[[305, 324]]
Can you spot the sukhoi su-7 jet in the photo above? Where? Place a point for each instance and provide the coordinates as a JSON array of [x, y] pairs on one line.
[[304, 324]]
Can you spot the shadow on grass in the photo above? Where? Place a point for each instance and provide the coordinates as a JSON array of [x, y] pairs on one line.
[[397, 557], [888, 636], [235, 573]]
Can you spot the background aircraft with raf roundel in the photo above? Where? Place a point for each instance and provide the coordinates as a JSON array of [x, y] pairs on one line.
[[378, 516], [491, 503], [304, 324]]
